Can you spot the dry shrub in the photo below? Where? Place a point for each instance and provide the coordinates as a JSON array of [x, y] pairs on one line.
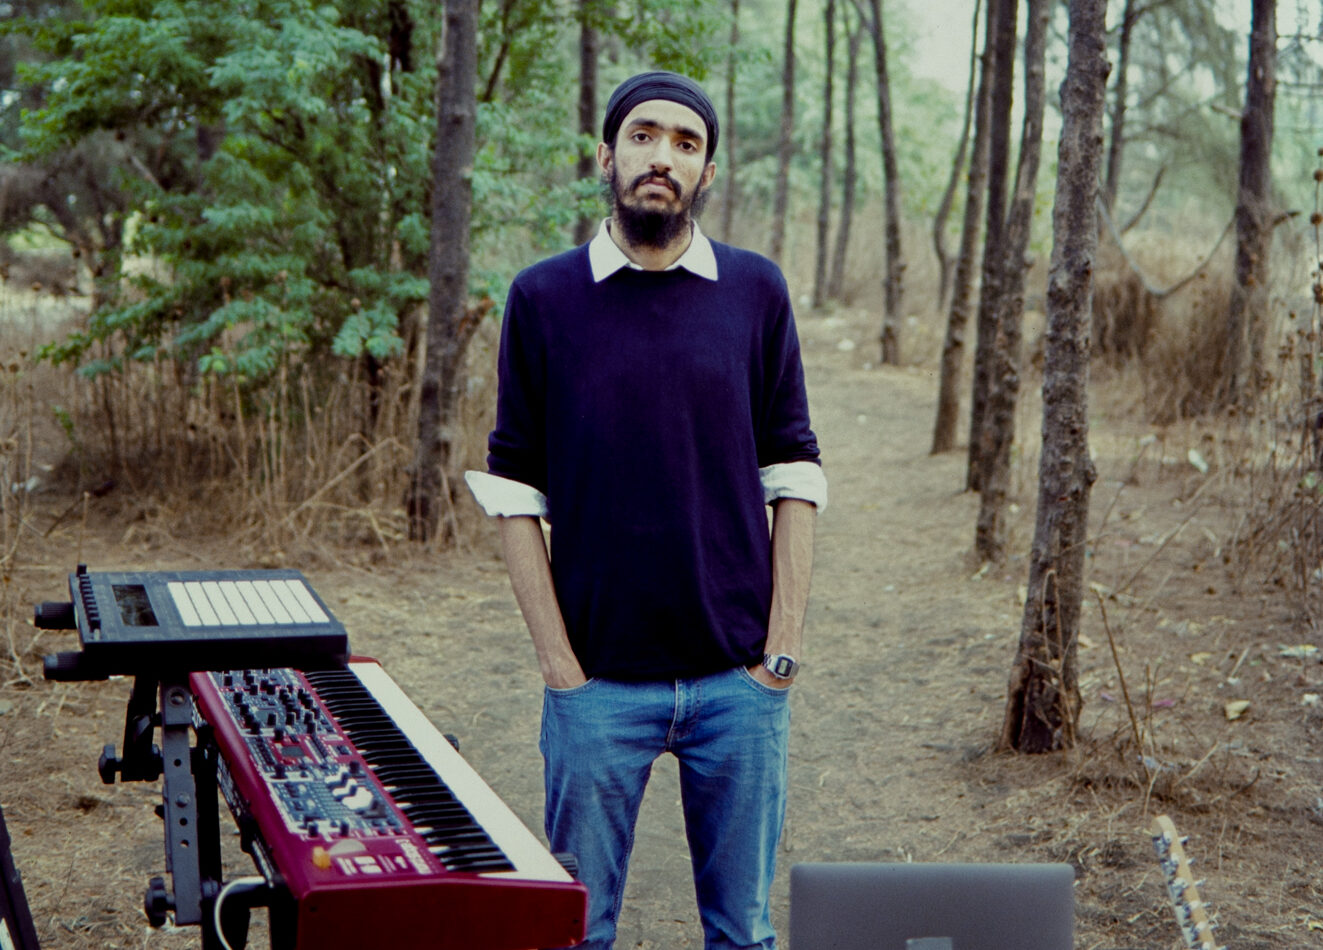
[[1282, 477], [1183, 360], [1125, 317], [317, 456]]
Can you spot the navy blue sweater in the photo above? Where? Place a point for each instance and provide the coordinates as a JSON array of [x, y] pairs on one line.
[[643, 407]]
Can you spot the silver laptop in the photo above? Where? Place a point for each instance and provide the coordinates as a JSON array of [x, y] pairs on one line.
[[932, 907]]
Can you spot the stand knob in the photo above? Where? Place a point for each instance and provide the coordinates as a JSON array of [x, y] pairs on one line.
[[158, 903], [55, 615], [108, 765]]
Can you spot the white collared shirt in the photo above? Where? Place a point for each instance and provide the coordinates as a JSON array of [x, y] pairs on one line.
[[605, 256]]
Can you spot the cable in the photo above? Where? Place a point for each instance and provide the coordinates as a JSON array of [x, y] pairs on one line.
[[244, 885]]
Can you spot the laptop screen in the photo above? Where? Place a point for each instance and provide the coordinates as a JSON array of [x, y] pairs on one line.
[[908, 906]]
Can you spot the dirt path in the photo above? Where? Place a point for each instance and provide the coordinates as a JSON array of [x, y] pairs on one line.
[[907, 657]]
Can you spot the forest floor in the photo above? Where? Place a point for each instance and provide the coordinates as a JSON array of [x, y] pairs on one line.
[[909, 646]]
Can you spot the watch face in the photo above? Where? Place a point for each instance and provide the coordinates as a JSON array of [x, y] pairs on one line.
[[782, 666]]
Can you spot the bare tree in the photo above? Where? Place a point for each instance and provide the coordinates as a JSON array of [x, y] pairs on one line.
[[1120, 88], [850, 176], [953, 348], [589, 45], [957, 168], [450, 323], [1247, 319], [1043, 701], [728, 128], [894, 284], [1001, 42], [998, 430], [825, 157], [786, 150]]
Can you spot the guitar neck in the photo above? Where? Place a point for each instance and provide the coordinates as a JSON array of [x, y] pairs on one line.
[[1191, 910]]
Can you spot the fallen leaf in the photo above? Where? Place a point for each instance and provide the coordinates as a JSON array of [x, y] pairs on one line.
[[1085, 642], [1197, 461], [1200, 658], [1310, 699], [1303, 651], [1236, 708], [1166, 703]]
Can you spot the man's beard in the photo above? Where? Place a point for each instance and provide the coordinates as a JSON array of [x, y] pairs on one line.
[[643, 227]]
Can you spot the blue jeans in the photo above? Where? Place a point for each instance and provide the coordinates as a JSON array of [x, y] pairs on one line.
[[729, 733]]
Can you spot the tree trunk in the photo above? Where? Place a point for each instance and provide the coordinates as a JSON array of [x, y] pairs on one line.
[[1043, 699], [953, 349], [589, 45], [728, 127], [999, 423], [450, 323], [786, 149], [825, 158], [836, 286], [957, 168], [1248, 319], [1116, 144], [1002, 43], [894, 285]]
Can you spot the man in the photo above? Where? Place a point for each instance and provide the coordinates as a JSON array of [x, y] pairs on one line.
[[651, 404]]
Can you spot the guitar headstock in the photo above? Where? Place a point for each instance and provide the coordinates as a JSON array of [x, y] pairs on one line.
[[1191, 911]]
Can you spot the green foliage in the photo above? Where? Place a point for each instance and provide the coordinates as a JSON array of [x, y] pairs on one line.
[[271, 160], [265, 165], [276, 169]]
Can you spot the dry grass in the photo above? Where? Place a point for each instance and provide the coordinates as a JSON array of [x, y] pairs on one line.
[[312, 460]]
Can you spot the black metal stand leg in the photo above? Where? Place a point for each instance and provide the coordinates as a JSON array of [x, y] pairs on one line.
[[182, 834], [235, 920]]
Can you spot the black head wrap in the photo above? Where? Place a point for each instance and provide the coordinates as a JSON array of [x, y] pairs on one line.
[[659, 85]]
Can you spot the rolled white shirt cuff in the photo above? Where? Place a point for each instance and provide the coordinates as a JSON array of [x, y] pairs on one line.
[[505, 497], [802, 480]]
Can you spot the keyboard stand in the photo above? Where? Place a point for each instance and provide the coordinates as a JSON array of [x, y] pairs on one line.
[[189, 806], [160, 658]]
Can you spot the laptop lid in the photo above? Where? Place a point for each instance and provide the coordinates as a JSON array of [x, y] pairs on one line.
[[932, 906]]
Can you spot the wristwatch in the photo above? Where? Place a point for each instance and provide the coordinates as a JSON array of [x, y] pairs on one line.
[[781, 665]]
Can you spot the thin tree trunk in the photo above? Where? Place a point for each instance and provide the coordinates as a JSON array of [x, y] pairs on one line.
[[1002, 43], [1004, 393], [894, 284], [825, 158], [589, 46], [1116, 144], [1043, 702], [1247, 319], [836, 286], [953, 349], [728, 128], [957, 168], [450, 323], [786, 149]]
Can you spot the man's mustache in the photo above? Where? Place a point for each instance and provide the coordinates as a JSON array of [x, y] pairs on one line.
[[650, 176]]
